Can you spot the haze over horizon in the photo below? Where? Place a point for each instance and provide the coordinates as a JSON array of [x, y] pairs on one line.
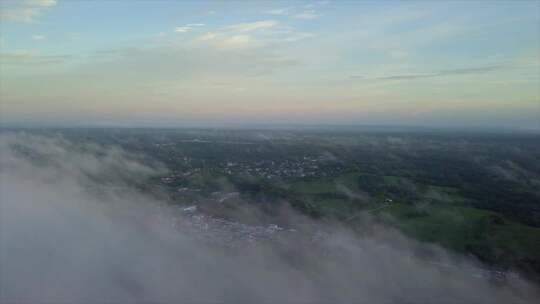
[[169, 63]]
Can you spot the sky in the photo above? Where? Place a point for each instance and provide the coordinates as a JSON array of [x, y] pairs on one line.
[[168, 63]]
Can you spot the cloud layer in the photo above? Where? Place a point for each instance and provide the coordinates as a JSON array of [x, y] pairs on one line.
[[73, 230]]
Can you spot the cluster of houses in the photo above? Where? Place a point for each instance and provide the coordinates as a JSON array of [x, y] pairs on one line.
[[223, 232], [307, 166]]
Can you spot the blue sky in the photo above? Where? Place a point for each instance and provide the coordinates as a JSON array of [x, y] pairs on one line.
[[334, 62]]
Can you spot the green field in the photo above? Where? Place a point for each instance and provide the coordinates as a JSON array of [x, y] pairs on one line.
[[441, 216]]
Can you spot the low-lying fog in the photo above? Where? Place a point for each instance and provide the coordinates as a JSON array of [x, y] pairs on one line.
[[63, 241]]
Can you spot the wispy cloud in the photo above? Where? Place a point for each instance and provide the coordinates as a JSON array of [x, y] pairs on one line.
[[307, 11], [188, 27], [238, 36], [38, 37], [252, 26], [30, 57], [24, 11], [230, 42], [17, 55], [307, 14], [43, 2], [183, 29], [251, 35], [461, 71], [279, 11]]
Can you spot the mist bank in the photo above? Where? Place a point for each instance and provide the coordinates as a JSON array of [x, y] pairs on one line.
[[173, 124], [73, 229]]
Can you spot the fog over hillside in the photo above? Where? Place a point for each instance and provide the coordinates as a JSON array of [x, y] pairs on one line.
[[75, 229]]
